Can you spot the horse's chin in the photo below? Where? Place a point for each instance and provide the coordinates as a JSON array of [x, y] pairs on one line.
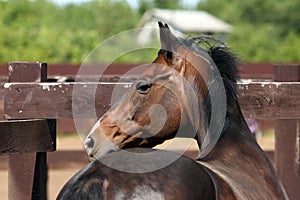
[[100, 154], [106, 148], [97, 144], [91, 158], [96, 148]]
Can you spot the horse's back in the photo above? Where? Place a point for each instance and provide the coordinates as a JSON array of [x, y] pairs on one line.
[[181, 179]]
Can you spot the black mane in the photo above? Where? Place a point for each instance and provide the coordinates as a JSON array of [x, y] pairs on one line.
[[227, 63], [225, 60]]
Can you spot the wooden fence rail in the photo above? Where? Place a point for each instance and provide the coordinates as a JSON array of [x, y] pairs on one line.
[[260, 100], [30, 100]]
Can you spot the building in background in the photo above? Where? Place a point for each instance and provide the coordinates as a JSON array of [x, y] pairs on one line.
[[188, 22]]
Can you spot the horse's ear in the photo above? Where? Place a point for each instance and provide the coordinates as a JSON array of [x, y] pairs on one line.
[[168, 40]]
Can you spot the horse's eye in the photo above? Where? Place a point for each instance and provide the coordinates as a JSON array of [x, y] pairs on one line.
[[161, 51], [169, 55], [143, 87]]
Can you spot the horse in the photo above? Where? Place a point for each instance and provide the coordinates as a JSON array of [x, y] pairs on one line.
[[98, 181], [190, 90]]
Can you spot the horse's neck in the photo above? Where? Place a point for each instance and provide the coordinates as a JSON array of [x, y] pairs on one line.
[[240, 162]]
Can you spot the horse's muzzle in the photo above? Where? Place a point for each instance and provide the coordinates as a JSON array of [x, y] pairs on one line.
[[98, 147]]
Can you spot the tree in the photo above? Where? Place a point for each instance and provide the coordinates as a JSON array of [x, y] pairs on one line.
[[261, 28], [168, 4], [145, 5], [41, 30]]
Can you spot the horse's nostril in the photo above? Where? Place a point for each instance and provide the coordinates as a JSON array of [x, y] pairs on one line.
[[89, 143]]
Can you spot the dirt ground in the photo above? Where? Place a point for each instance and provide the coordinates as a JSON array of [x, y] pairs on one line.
[[58, 176]]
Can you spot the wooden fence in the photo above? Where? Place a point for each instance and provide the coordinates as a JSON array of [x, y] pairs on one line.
[[32, 105]]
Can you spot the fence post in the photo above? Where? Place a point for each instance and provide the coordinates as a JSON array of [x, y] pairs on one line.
[[21, 167], [287, 134]]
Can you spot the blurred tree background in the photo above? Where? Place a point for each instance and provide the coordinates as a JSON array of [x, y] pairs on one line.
[[264, 31], [40, 30]]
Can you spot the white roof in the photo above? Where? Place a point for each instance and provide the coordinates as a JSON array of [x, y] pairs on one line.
[[186, 20]]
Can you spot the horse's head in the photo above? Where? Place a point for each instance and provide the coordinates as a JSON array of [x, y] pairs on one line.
[[163, 103]]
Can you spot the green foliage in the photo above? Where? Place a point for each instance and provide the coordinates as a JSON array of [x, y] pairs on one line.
[[264, 31], [167, 4], [39, 30], [145, 5]]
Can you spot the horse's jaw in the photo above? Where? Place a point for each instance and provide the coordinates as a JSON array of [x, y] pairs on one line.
[[106, 137]]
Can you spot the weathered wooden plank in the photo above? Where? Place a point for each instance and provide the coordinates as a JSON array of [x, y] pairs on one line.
[[2, 90], [20, 187], [247, 70], [27, 71], [25, 136], [59, 100], [287, 135], [276, 100], [20, 176]]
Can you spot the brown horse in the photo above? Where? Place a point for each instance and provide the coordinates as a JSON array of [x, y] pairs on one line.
[[183, 179], [190, 90]]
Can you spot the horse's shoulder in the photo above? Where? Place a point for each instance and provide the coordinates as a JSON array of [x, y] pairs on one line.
[[98, 180], [223, 189], [86, 184]]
